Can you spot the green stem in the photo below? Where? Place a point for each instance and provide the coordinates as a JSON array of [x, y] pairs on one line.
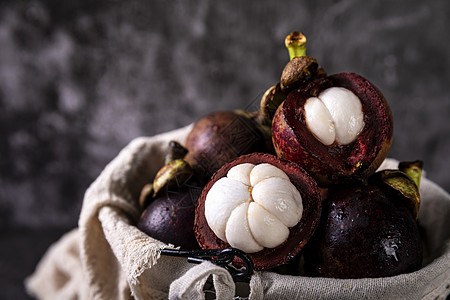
[[296, 44], [413, 170]]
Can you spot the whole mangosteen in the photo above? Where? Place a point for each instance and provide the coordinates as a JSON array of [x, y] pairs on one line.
[[368, 230]]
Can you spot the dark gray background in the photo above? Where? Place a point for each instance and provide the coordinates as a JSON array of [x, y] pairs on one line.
[[80, 79]]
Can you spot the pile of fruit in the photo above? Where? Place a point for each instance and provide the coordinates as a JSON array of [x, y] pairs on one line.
[[294, 184]]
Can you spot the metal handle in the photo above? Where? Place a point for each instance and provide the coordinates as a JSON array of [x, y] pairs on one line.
[[220, 257]]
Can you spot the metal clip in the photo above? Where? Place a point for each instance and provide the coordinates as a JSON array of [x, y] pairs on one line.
[[220, 257]]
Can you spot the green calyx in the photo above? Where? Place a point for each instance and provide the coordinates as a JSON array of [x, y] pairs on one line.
[[172, 175], [413, 170], [405, 182]]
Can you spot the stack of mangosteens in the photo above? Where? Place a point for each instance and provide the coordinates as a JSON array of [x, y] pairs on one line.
[[296, 182]]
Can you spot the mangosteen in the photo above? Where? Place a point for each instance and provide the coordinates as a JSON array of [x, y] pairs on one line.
[[169, 202], [170, 217], [261, 204], [338, 128], [220, 137], [368, 230]]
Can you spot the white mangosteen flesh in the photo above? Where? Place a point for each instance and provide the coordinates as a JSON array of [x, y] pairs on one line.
[[253, 207], [335, 116]]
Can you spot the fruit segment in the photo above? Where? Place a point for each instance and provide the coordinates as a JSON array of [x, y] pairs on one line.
[[319, 121], [280, 198], [221, 200], [241, 173], [264, 171], [335, 116], [265, 227], [238, 231]]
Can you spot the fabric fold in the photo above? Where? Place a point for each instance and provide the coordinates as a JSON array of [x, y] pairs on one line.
[[191, 284]]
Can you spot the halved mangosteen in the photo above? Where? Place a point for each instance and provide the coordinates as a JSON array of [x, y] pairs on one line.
[[266, 206], [338, 128]]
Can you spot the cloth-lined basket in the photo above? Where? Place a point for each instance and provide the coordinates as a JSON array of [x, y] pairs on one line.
[[107, 257]]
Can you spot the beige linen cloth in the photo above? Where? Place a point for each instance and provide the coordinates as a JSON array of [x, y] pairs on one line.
[[107, 257]]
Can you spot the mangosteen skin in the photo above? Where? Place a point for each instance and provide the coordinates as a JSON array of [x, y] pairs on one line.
[[364, 233], [299, 234], [170, 217], [220, 137], [335, 164]]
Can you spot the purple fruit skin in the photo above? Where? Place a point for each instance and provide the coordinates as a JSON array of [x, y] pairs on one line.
[[170, 218], [363, 233]]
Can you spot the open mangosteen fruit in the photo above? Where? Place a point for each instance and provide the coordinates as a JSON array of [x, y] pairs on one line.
[[368, 230], [261, 204], [339, 128]]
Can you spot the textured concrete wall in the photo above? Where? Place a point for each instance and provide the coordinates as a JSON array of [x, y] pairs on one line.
[[80, 79]]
